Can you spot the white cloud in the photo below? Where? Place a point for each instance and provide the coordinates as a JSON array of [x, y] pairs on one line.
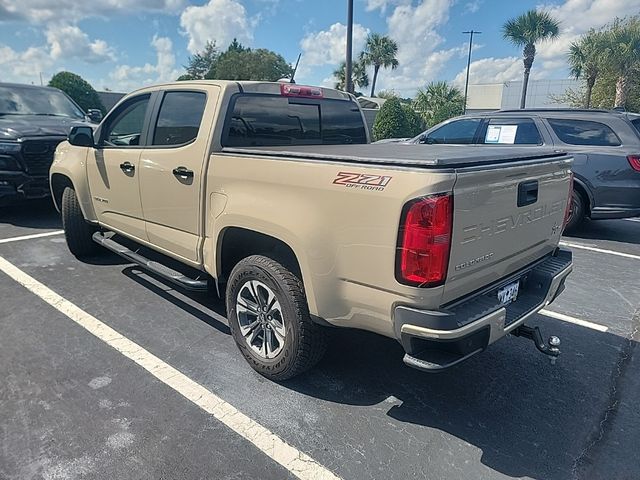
[[127, 78], [414, 28], [218, 20], [383, 4], [39, 11], [328, 47], [25, 66], [68, 41], [473, 6], [491, 70]]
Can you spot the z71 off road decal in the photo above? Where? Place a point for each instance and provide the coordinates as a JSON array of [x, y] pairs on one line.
[[362, 181]]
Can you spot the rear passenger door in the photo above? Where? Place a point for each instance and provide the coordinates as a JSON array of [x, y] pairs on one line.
[[172, 169]]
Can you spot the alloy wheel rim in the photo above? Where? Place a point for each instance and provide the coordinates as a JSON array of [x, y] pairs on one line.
[[260, 319]]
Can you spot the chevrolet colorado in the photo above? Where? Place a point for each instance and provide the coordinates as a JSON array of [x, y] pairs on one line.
[[270, 194]]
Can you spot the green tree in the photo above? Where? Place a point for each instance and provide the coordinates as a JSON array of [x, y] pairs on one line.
[[379, 51], [586, 57], [438, 102], [78, 89], [360, 77], [526, 31], [391, 121], [622, 55], [199, 64], [242, 63]]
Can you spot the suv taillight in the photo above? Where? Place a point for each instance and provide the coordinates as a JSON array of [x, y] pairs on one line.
[[634, 161], [567, 211], [424, 241]]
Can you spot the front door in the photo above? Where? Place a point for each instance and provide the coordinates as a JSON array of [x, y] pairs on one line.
[[113, 168], [172, 168]]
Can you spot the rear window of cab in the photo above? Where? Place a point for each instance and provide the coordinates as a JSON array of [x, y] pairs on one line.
[[272, 120]]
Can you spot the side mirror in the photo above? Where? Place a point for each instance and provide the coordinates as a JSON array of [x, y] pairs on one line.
[[422, 139], [81, 137], [94, 115]]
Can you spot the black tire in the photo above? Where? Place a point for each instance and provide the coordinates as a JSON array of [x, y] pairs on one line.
[[304, 342], [577, 214], [77, 231]]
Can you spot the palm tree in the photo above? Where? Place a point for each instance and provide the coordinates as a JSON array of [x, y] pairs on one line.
[[585, 60], [622, 54], [379, 51], [360, 77], [438, 102], [525, 31]]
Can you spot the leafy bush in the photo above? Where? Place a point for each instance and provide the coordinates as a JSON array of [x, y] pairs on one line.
[[78, 89], [415, 123], [396, 120]]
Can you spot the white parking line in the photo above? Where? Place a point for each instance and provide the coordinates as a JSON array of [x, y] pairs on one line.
[[29, 237], [599, 250], [637, 220], [295, 461], [574, 320]]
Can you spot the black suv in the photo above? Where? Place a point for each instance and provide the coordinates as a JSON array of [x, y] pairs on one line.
[[604, 143], [33, 120]]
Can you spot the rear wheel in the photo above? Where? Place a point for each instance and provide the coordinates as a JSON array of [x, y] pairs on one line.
[[77, 231], [269, 319], [577, 212]]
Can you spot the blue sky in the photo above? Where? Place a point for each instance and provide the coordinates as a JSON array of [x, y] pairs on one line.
[[125, 44]]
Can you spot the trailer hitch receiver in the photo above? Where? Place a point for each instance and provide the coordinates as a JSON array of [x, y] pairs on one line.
[[551, 348]]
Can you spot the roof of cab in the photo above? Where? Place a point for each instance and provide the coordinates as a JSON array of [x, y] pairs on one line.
[[270, 88]]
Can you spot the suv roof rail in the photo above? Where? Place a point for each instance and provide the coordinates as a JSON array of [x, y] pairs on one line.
[[566, 110]]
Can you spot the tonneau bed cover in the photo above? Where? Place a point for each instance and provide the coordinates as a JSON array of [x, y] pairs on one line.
[[427, 156]]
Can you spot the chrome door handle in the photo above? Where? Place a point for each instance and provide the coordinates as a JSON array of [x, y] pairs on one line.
[[127, 167], [183, 172]]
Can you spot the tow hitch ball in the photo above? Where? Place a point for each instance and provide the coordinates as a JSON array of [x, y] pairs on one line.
[[550, 348]]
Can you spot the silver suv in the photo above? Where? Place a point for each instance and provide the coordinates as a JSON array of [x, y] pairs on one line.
[[604, 143]]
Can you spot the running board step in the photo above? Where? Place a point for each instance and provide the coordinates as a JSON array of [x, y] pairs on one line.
[[193, 284]]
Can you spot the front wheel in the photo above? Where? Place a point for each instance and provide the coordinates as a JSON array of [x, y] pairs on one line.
[[77, 231], [577, 212], [269, 319]]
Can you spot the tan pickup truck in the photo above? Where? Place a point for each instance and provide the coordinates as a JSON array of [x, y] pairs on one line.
[[270, 194]]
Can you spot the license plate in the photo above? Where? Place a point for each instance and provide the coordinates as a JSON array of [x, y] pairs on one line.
[[509, 293]]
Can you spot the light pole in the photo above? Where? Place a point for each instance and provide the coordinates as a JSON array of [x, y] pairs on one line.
[[471, 33], [348, 63]]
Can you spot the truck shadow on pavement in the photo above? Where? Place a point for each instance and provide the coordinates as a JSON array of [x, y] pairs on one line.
[[529, 418], [39, 214]]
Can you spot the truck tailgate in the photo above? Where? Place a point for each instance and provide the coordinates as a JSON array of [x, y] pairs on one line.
[[492, 235]]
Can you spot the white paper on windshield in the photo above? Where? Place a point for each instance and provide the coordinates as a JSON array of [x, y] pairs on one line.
[[504, 134]]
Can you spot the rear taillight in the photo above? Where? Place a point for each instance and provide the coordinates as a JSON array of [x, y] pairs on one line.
[[634, 161], [424, 241], [567, 211]]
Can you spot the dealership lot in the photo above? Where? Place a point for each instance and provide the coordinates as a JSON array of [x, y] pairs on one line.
[[81, 401]]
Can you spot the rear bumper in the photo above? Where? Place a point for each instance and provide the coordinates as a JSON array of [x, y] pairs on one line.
[[15, 186], [603, 213], [436, 340]]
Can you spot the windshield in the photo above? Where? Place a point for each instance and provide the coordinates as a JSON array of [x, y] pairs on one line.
[[36, 101]]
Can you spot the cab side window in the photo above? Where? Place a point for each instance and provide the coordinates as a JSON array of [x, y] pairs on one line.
[[461, 131], [179, 118], [124, 127]]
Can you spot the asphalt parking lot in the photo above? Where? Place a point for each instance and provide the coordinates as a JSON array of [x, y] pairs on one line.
[[76, 402]]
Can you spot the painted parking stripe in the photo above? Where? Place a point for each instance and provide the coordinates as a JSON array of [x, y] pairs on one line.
[[599, 250], [574, 320], [295, 461], [632, 220], [30, 237]]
